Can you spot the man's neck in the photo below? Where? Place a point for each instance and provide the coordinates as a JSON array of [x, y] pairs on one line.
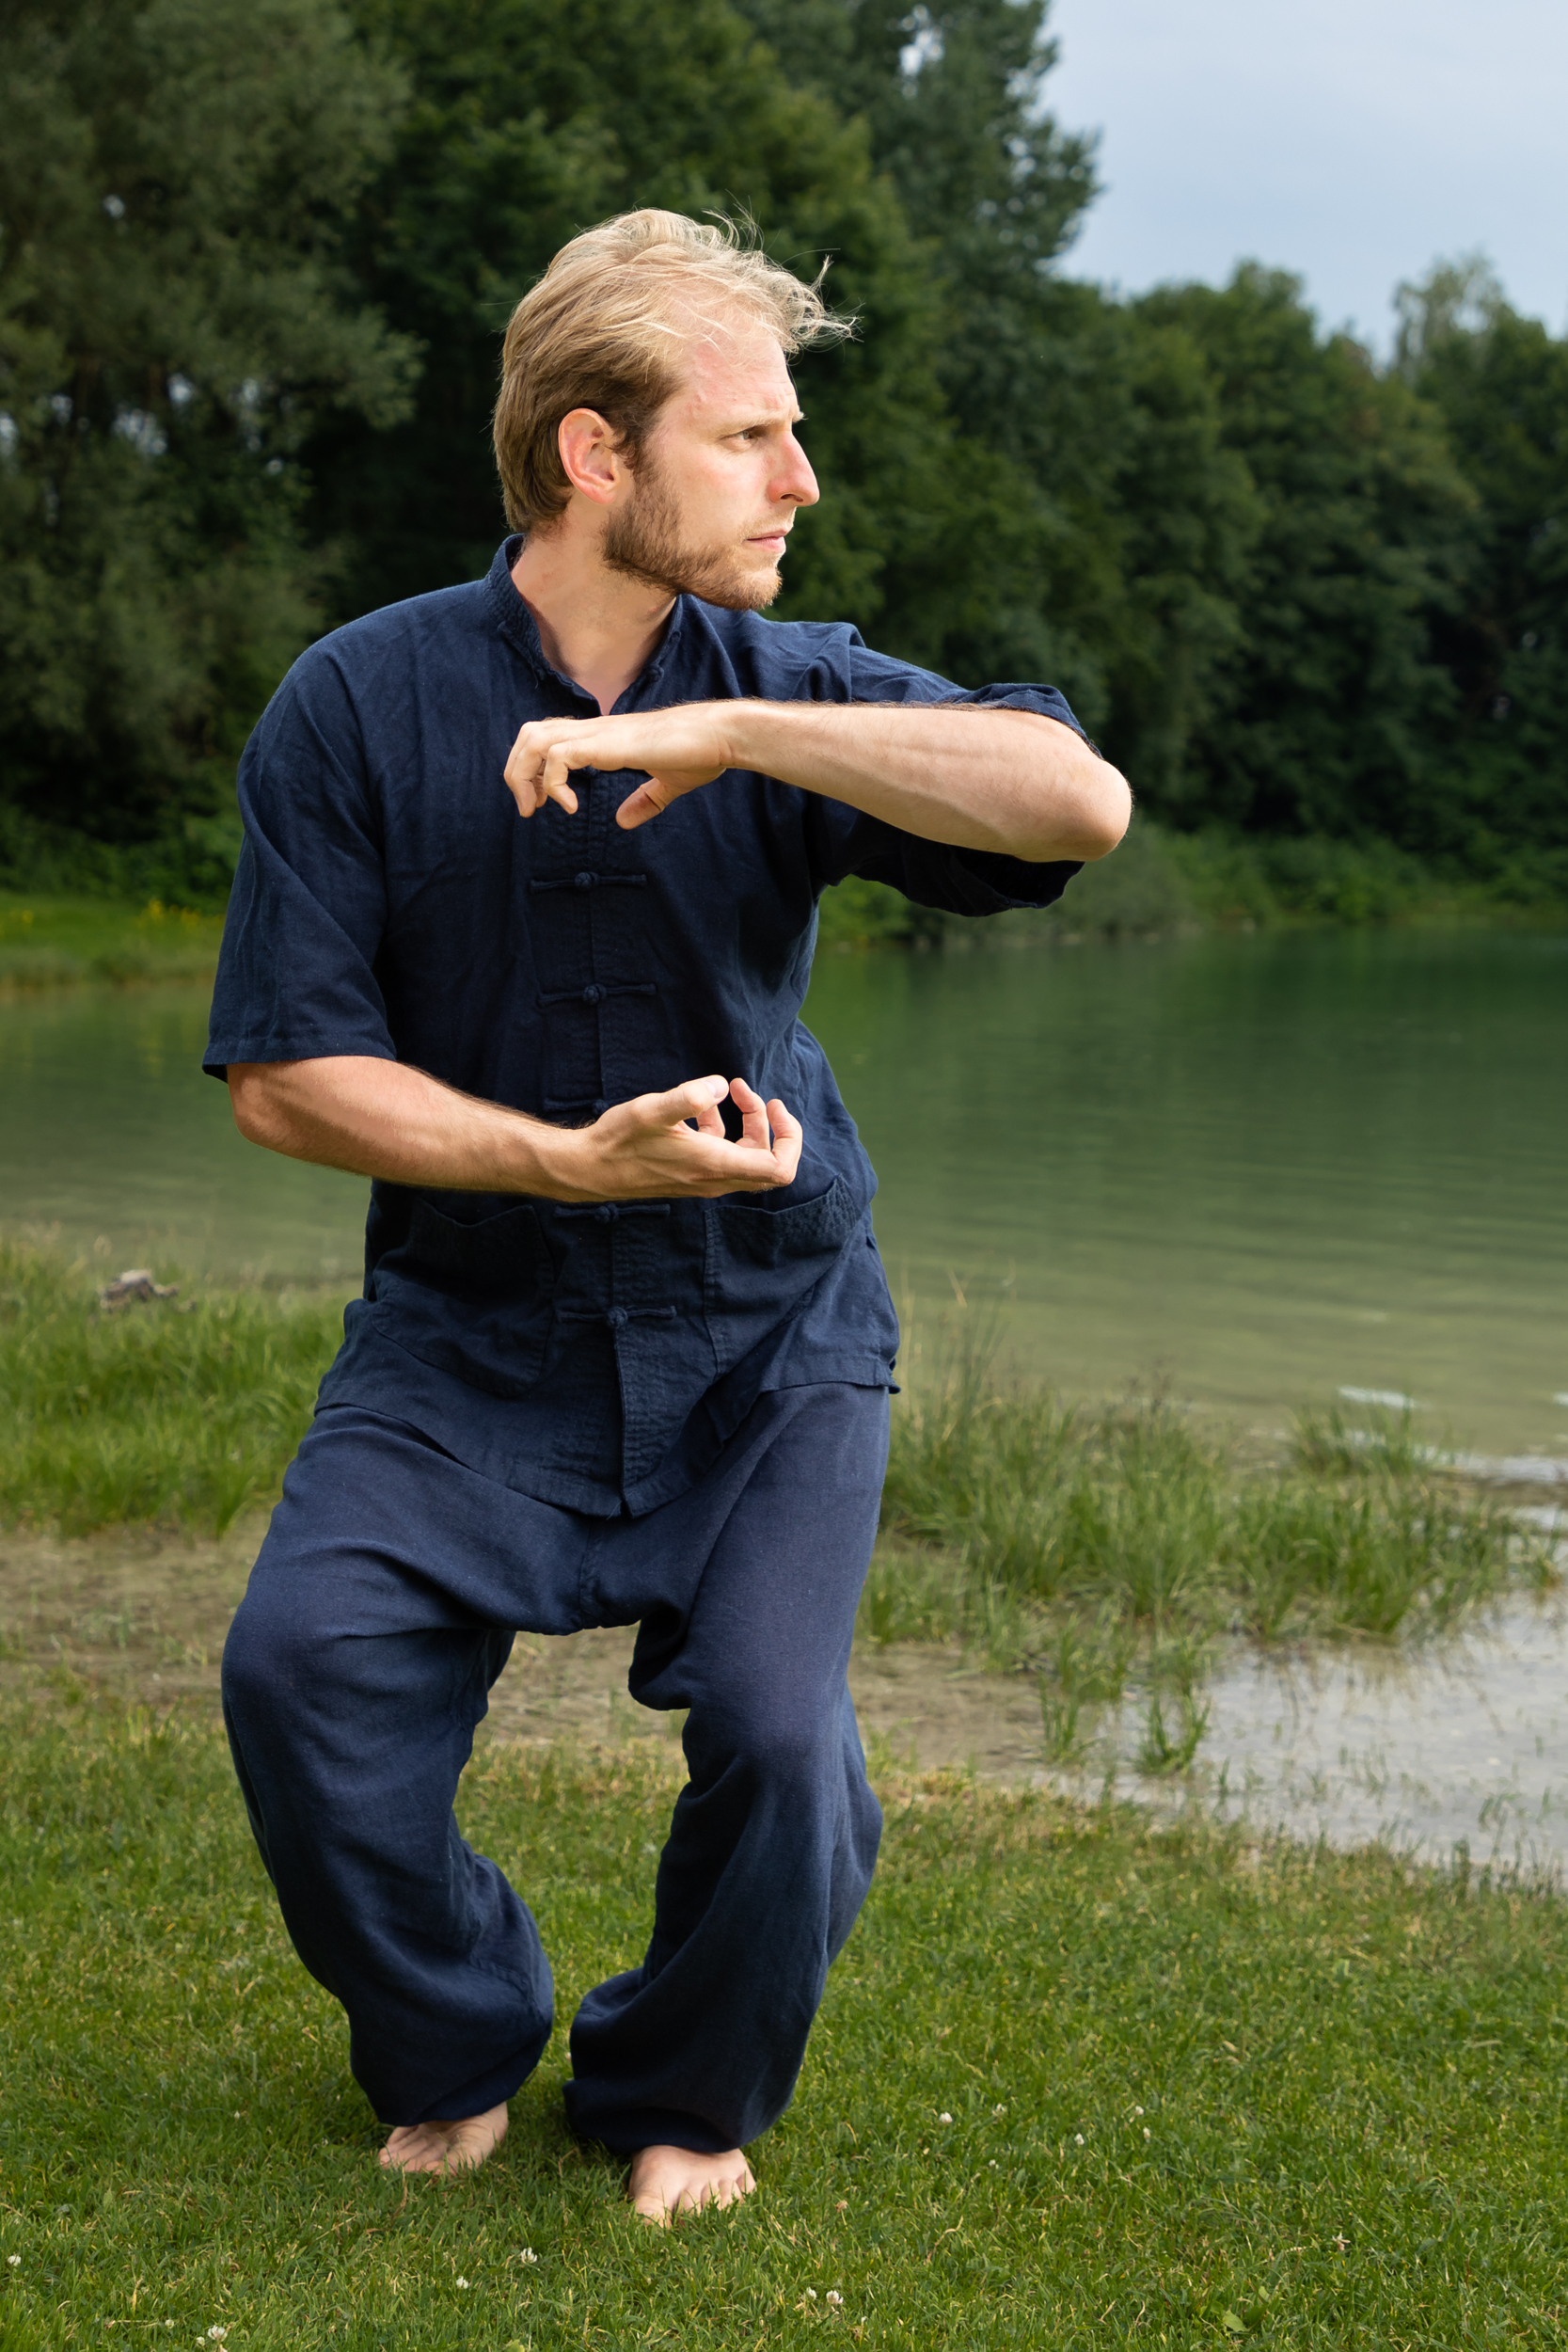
[[596, 627]]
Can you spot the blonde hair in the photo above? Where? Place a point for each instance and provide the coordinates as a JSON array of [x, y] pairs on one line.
[[605, 328]]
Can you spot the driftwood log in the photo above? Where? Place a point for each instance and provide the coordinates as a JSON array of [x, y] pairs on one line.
[[137, 1282]]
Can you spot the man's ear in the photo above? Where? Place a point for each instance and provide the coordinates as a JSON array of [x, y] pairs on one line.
[[590, 455]]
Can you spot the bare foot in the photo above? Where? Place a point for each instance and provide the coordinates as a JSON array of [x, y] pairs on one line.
[[668, 2181], [446, 2147]]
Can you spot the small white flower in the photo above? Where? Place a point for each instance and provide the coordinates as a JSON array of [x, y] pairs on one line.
[[945, 2117], [216, 2335], [528, 2255], [462, 2282], [1148, 2134], [1079, 2137], [833, 2295], [811, 2295], [14, 2259], [999, 2110], [993, 2164], [1137, 2110]]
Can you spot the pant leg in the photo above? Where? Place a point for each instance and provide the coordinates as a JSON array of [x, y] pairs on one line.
[[377, 1616], [773, 1841]]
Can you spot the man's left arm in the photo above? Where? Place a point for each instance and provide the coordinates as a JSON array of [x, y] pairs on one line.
[[985, 777]]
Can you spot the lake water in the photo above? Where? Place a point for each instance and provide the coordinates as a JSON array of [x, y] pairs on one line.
[[1258, 1170], [1462, 1744]]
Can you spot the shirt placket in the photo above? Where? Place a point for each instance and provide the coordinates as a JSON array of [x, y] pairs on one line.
[[606, 1281]]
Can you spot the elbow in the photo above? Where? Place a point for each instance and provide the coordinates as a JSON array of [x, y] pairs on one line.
[[1106, 814], [1081, 805], [1089, 820], [253, 1102]]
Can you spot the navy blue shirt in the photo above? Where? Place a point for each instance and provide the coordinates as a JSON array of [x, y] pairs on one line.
[[390, 902]]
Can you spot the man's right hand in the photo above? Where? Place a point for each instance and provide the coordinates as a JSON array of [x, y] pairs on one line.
[[382, 1118], [645, 1150]]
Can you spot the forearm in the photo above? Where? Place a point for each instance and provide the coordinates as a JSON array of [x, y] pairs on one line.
[[374, 1117], [980, 778], [381, 1118]]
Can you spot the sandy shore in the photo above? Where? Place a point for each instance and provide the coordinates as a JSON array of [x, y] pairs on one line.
[[143, 1615]]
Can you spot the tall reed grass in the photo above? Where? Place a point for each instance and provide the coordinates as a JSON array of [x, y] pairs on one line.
[[1085, 1539]]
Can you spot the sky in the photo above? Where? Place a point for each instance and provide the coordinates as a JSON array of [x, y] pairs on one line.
[[1353, 141]]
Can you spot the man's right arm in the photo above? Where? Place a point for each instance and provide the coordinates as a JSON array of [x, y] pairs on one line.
[[382, 1118]]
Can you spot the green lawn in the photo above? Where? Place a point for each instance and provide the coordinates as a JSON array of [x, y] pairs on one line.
[[1080, 2081], [185, 1411]]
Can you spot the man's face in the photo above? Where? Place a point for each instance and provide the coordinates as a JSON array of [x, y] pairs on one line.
[[708, 510]]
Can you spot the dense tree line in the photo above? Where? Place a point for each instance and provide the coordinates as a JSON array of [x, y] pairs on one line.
[[254, 269]]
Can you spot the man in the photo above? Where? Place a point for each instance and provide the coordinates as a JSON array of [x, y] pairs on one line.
[[625, 1347]]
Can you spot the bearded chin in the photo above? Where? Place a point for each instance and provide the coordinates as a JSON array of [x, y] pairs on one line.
[[643, 543]]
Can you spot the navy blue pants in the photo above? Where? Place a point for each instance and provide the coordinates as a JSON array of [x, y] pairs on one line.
[[382, 1608]]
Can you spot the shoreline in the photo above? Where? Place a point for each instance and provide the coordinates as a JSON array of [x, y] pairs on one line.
[[1314, 1740], [51, 941]]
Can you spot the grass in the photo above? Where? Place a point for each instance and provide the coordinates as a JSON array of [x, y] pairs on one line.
[[186, 1410], [1102, 1543], [1079, 2082], [1350, 2074], [46, 941], [1092, 1544]]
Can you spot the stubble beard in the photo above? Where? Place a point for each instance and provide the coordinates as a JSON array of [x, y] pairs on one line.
[[643, 542]]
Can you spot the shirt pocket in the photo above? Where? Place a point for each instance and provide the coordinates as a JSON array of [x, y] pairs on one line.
[[473, 1298], [762, 1265]]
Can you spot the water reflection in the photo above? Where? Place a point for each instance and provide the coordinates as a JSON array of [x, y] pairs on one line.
[[1464, 1745], [1268, 1168], [113, 1142]]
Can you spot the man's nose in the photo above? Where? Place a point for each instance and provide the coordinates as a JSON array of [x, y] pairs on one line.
[[796, 478]]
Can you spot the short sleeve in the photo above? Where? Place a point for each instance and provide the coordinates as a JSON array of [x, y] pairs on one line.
[[296, 975], [933, 873]]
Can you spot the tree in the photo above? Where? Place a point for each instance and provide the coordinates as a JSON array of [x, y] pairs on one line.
[[254, 271], [174, 316], [1116, 523], [534, 119], [1500, 384], [1339, 715]]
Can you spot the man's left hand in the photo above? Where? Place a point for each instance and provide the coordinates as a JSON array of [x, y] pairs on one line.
[[678, 749]]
